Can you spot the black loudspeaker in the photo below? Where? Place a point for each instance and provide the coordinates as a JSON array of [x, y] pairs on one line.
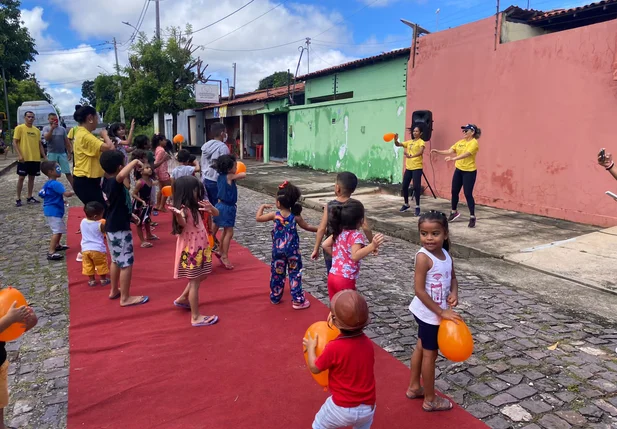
[[423, 119]]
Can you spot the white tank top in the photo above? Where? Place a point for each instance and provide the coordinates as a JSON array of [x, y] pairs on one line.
[[91, 236], [438, 283]]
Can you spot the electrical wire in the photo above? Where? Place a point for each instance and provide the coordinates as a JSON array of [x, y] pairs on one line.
[[256, 49], [140, 21], [244, 25], [325, 43], [51, 51], [223, 18], [60, 52]]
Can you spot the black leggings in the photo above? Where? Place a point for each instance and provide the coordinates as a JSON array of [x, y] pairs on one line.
[[88, 189], [465, 180], [416, 176]]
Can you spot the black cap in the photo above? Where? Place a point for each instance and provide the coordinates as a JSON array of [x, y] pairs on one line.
[[469, 127]]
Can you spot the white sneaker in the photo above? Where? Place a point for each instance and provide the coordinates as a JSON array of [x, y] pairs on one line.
[[79, 257]]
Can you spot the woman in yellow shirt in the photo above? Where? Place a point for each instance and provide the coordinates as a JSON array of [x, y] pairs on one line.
[[87, 150], [414, 149], [465, 172]]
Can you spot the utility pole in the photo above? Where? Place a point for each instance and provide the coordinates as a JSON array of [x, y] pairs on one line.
[[6, 100], [308, 55], [158, 20], [235, 68], [497, 25], [122, 119]]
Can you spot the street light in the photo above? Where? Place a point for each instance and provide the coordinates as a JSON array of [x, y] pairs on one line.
[[130, 25]]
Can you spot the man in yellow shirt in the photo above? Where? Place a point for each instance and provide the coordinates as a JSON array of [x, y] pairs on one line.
[[27, 143]]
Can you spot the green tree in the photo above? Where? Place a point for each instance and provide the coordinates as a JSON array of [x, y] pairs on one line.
[[162, 75], [88, 95], [105, 88], [275, 80], [24, 90], [16, 44]]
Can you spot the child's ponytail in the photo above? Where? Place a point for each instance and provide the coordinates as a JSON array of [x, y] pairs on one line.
[[335, 221], [288, 197], [446, 244]]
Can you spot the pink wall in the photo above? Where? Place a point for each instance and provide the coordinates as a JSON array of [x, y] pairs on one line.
[[546, 105]]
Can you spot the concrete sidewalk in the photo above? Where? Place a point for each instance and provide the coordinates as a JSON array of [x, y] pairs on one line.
[[8, 163], [576, 252]]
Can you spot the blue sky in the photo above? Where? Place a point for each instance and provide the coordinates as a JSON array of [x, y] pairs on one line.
[[72, 38]]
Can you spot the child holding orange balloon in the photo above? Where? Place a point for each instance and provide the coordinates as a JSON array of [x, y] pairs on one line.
[[142, 205], [347, 245], [15, 320], [350, 361], [193, 247], [436, 289], [226, 167], [286, 245]]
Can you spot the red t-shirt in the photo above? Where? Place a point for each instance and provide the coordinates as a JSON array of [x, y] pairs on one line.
[[351, 364]]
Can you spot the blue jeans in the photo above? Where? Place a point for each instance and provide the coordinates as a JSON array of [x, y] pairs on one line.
[[212, 190], [331, 416]]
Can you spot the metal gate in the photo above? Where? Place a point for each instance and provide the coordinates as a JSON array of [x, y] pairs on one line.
[[278, 137]]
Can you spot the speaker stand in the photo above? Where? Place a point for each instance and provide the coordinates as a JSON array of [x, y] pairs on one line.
[[423, 188]]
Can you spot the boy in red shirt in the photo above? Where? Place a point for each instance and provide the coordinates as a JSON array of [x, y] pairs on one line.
[[350, 358]]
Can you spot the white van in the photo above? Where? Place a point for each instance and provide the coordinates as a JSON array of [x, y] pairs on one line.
[[41, 110]]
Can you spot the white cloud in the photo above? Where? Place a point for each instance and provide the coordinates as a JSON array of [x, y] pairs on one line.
[[284, 24], [33, 21]]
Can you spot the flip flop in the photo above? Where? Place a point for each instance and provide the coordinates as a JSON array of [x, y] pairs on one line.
[[116, 296], [207, 321], [417, 394], [439, 404], [146, 245], [142, 301], [180, 305]]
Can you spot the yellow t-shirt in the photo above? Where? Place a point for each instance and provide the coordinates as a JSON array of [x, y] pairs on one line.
[[412, 147], [87, 150], [29, 139], [464, 146], [71, 134]]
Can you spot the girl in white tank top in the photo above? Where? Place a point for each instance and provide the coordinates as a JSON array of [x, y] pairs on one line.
[[436, 289]]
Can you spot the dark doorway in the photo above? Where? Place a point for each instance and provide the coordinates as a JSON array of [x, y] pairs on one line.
[[278, 137]]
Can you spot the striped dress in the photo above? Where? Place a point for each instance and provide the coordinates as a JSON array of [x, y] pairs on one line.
[[193, 250]]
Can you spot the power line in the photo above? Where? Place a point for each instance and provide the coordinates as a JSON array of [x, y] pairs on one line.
[[223, 18], [255, 49], [59, 52], [78, 47], [324, 43], [244, 25], [66, 83], [140, 20]]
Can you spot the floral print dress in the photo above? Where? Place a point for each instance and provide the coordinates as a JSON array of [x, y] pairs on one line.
[[193, 250]]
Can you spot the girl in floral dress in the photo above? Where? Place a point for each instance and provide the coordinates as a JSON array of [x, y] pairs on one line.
[[193, 249]]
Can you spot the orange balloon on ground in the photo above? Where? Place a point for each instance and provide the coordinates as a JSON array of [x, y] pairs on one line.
[[454, 340], [388, 137], [178, 138], [325, 334], [166, 191], [240, 167], [7, 297]]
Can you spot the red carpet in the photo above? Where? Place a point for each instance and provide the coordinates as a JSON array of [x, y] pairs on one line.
[[146, 367]]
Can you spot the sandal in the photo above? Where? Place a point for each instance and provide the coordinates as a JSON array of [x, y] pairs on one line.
[[181, 305], [91, 283], [145, 244], [54, 257], [439, 404], [105, 282], [207, 321], [62, 247], [416, 393]]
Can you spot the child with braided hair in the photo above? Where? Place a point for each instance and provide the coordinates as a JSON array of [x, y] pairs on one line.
[[286, 244]]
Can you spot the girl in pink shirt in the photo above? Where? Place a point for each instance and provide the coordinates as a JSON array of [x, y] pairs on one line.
[[347, 245], [161, 158]]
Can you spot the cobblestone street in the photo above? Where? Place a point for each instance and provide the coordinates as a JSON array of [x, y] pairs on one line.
[[512, 380]]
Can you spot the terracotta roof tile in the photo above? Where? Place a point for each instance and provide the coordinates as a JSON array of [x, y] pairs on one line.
[[357, 63], [257, 96]]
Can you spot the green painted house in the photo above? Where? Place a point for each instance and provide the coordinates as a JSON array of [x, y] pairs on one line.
[[347, 110]]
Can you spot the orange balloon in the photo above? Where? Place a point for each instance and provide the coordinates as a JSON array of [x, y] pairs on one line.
[[211, 241], [240, 167], [178, 138], [7, 297], [166, 191], [325, 334], [455, 341], [388, 137]]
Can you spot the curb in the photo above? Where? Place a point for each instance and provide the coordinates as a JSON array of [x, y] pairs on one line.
[[7, 168], [412, 235]]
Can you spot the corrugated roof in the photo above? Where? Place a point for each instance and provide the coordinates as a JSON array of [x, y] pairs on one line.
[[559, 12], [533, 16], [358, 63], [257, 96]]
